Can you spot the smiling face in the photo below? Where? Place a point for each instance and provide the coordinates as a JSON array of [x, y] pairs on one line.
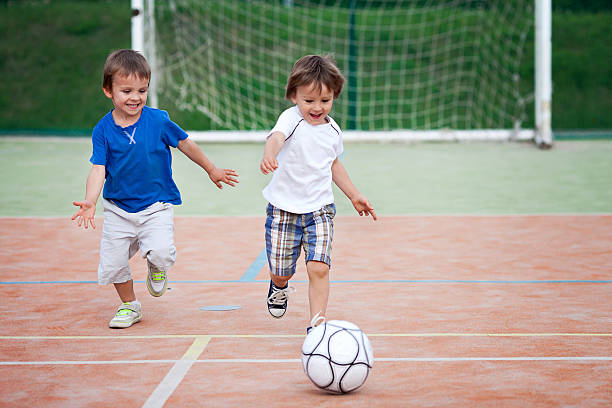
[[129, 95], [313, 102]]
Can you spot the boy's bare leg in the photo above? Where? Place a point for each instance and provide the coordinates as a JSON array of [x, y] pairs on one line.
[[279, 281], [318, 288], [125, 290]]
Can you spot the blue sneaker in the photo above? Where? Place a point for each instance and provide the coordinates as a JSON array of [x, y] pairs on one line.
[[277, 299]]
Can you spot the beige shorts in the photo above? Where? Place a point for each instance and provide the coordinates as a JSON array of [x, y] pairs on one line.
[[123, 234]]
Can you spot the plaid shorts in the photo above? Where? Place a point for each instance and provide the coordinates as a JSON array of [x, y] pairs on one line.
[[286, 232]]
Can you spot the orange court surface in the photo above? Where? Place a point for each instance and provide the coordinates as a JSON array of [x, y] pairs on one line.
[[461, 311]]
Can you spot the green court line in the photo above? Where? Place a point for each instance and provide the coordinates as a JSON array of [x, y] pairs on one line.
[[86, 133], [64, 133], [583, 135]]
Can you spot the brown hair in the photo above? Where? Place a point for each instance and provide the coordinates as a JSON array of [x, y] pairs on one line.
[[125, 63], [321, 70]]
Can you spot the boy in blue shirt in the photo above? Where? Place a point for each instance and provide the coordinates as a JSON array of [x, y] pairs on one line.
[[132, 160]]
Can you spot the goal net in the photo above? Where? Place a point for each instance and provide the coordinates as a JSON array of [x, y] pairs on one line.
[[424, 69]]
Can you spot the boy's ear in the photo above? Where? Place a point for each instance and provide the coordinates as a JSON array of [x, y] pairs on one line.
[[107, 92]]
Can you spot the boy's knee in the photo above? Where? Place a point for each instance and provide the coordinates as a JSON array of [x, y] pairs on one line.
[[317, 269], [162, 257], [280, 281]]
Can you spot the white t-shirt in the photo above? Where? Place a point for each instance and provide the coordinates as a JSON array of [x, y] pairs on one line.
[[303, 181]]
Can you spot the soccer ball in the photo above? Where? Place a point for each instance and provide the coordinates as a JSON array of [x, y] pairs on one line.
[[337, 356]]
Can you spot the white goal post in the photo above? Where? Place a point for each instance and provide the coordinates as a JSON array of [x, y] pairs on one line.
[[543, 72], [416, 69]]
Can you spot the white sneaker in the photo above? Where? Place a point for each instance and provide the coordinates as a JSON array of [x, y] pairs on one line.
[[127, 314], [316, 320], [157, 280]]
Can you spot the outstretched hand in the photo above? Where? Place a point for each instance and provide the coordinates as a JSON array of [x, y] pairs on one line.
[[85, 214], [363, 206], [268, 165], [227, 176]]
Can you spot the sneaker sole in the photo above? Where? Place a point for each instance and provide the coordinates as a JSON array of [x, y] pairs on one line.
[[277, 317], [153, 292], [123, 325]]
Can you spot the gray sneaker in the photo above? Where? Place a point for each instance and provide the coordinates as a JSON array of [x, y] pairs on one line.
[[157, 280], [127, 314]]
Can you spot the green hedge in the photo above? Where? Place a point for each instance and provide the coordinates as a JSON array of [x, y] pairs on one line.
[[52, 53]]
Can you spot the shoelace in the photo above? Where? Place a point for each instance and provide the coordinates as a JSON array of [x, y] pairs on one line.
[[279, 296], [317, 319], [124, 312], [158, 275]]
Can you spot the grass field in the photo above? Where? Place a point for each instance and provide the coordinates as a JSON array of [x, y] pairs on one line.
[[41, 177]]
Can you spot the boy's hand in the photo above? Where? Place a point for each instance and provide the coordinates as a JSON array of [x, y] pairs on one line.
[[363, 206], [268, 165], [85, 214], [227, 176]]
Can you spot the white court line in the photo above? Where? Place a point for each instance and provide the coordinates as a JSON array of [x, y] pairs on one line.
[[176, 374], [173, 378], [273, 335], [451, 359]]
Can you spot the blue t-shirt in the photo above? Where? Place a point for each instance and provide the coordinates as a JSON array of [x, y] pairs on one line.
[[137, 159]]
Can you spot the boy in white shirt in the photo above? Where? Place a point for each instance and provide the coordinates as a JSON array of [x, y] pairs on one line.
[[302, 150]]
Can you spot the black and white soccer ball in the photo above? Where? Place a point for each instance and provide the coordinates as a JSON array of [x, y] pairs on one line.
[[337, 356]]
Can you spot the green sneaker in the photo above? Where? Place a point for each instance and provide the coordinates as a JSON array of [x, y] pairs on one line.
[[157, 280], [127, 314]]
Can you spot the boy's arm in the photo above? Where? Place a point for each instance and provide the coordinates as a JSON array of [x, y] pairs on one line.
[[87, 210], [274, 144], [193, 151], [343, 181]]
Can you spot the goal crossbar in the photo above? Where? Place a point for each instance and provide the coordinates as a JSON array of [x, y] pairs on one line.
[[417, 77]]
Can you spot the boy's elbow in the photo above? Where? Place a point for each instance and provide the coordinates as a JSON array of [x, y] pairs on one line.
[[277, 137], [98, 168], [182, 143], [335, 166]]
